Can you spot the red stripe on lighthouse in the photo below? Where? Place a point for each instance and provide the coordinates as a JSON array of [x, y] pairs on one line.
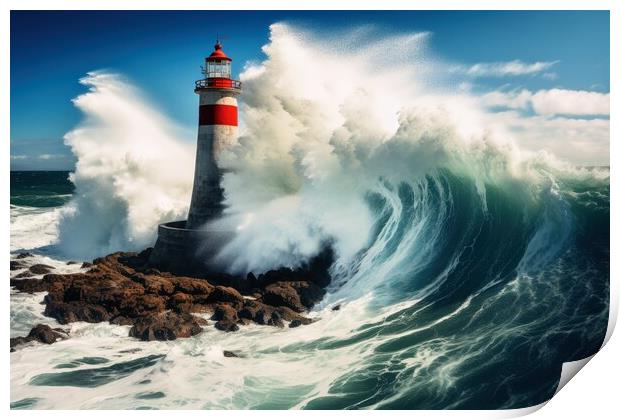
[[217, 115]]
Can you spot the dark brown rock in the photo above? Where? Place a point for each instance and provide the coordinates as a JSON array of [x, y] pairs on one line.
[[226, 326], [23, 255], [41, 333], [165, 326], [226, 295], [121, 320], [45, 334], [192, 286], [123, 289], [276, 320], [155, 284], [41, 269], [180, 298], [23, 275], [228, 353], [17, 341], [283, 294], [29, 285], [224, 312], [17, 265], [76, 311], [309, 293]]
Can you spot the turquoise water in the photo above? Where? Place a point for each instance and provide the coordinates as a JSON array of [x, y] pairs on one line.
[[458, 301]]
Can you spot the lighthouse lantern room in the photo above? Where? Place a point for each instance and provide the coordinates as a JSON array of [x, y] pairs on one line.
[[217, 71]]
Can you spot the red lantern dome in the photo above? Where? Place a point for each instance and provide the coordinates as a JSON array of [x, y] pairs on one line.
[[218, 54]]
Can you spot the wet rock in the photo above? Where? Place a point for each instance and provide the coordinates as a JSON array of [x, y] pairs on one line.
[[72, 262], [276, 320], [155, 284], [283, 294], [121, 320], [294, 323], [28, 285], [309, 293], [65, 313], [181, 301], [336, 307], [86, 264], [41, 333], [226, 326], [23, 275], [45, 334], [192, 286], [122, 289], [228, 353], [224, 312], [41, 269], [226, 295], [165, 326], [17, 265], [23, 255]]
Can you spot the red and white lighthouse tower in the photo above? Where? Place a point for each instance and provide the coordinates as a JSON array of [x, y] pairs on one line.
[[190, 246], [217, 130]]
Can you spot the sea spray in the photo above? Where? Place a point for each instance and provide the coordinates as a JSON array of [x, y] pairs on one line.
[[132, 171], [315, 144]]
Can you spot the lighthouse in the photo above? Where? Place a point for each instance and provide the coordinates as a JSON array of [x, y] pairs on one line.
[[191, 246], [217, 130]]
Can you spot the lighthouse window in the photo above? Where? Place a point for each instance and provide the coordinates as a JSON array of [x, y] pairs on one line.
[[218, 69]]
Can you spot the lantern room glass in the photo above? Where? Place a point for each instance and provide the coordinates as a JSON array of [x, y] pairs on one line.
[[218, 68]]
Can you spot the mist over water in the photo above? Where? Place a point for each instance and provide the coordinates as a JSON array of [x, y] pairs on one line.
[[133, 171], [467, 270]]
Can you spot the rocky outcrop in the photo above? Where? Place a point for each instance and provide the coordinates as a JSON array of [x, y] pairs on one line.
[[17, 265], [166, 326], [41, 333], [39, 269], [23, 255], [123, 289]]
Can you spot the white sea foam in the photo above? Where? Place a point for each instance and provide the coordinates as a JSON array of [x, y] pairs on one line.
[[33, 227], [132, 171]]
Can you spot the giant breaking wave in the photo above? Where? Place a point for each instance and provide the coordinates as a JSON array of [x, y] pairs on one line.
[[471, 269]]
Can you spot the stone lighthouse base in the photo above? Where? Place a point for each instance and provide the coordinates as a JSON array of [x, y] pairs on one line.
[[188, 251]]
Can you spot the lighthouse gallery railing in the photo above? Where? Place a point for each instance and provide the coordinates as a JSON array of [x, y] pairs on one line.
[[218, 82]]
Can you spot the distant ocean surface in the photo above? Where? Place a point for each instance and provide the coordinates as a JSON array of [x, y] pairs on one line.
[[40, 188]]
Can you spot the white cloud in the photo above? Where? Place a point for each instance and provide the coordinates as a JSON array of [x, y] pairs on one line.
[[570, 102], [577, 140], [551, 102], [513, 100], [507, 68]]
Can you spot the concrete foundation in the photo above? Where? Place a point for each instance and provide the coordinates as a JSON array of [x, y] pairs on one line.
[[189, 252]]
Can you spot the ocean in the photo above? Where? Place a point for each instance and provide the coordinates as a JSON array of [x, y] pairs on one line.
[[468, 267], [456, 302]]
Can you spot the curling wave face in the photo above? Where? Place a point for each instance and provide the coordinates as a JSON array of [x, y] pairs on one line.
[[467, 271]]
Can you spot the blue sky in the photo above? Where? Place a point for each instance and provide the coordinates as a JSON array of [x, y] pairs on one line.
[[161, 53]]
